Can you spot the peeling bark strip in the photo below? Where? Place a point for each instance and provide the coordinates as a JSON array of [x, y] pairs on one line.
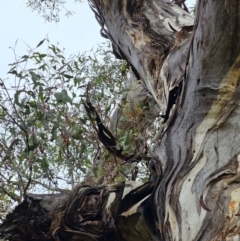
[[153, 36], [87, 213], [108, 140]]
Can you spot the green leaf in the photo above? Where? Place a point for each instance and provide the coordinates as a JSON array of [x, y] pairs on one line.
[[3, 113], [78, 135], [41, 56], [41, 97], [16, 98], [63, 97], [43, 67], [36, 169], [68, 76], [31, 141], [38, 123], [73, 95], [53, 131], [30, 154], [127, 139], [76, 65], [44, 165], [42, 135], [78, 80], [32, 104], [83, 120], [118, 146], [34, 77], [12, 69], [88, 163], [12, 130], [126, 147], [13, 72], [40, 43]]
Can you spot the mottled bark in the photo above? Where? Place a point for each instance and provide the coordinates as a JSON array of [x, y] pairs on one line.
[[197, 197], [192, 71], [86, 213], [200, 153], [146, 33]]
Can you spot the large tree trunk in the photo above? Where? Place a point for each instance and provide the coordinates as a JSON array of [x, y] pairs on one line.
[[193, 74]]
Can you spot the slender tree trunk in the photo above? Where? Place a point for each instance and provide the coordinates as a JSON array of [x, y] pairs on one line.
[[192, 70]]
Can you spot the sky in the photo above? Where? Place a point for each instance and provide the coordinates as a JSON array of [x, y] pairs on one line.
[[77, 33]]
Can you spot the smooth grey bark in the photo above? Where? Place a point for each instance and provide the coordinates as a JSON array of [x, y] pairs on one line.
[[201, 151]]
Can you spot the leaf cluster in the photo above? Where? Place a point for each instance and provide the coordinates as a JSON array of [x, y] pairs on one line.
[[47, 141], [50, 9]]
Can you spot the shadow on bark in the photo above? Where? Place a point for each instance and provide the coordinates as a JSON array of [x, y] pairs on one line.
[[86, 213]]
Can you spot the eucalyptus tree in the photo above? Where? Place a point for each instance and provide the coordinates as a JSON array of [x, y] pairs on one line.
[[190, 68]]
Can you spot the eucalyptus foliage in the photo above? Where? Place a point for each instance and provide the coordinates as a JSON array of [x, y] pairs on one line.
[[50, 9], [47, 142]]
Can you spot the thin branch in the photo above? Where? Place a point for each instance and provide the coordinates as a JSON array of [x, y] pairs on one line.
[[12, 196]]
